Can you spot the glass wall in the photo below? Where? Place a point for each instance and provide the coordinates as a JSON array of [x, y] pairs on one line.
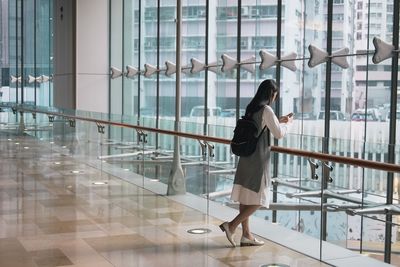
[[323, 49], [26, 51], [345, 102]]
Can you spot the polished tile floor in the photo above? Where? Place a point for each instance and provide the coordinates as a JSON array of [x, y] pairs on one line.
[[50, 216]]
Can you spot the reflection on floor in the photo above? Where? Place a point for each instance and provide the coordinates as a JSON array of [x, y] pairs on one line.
[[51, 216]]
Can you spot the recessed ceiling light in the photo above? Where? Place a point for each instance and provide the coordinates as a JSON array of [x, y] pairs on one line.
[[64, 146], [17, 143], [199, 231], [127, 170], [99, 183], [76, 172], [154, 180], [104, 161], [57, 163], [26, 147], [52, 142], [9, 139]]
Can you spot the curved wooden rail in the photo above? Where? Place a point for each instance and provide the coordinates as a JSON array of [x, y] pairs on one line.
[[389, 167]]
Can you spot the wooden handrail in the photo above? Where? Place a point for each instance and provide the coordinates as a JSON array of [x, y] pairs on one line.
[[389, 167], [369, 164]]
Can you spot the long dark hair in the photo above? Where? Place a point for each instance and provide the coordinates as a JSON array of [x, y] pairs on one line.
[[263, 97]]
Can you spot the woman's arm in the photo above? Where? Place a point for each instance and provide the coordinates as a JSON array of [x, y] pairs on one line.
[[277, 129]]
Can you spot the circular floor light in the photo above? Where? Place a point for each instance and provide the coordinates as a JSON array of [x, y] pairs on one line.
[[99, 183], [199, 231], [274, 265]]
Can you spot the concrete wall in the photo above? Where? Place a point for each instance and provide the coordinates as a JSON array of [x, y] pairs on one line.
[[92, 55], [81, 52], [64, 53]]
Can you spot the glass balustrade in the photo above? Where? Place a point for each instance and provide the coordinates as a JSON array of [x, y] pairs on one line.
[[351, 214]]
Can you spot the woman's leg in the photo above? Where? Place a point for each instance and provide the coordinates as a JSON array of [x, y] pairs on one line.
[[245, 211], [245, 224]]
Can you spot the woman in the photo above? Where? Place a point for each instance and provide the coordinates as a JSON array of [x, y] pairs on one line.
[[252, 179]]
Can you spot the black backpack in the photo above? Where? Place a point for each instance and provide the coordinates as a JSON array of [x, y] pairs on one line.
[[245, 138]]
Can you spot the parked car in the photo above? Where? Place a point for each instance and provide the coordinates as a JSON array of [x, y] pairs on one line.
[[198, 111], [146, 111], [231, 112], [304, 116], [362, 115], [334, 116], [397, 115]]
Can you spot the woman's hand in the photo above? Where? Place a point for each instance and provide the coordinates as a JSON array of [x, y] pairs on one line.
[[286, 119]]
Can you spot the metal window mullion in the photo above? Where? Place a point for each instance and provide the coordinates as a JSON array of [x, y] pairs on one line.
[[158, 67], [139, 58], [365, 129], [328, 77], [239, 50], [109, 56], [392, 130], [277, 103], [325, 147], [22, 51], [34, 50], [16, 50], [123, 58], [205, 128], [50, 68]]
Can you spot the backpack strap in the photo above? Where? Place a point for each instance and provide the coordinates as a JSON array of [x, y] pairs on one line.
[[268, 131], [262, 131], [268, 135]]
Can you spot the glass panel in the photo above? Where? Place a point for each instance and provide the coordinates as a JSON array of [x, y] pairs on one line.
[[4, 53], [194, 46], [117, 62], [358, 233], [131, 58], [222, 40], [167, 51], [116, 54], [28, 51], [131, 49], [44, 54], [303, 93], [149, 86], [11, 94]]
